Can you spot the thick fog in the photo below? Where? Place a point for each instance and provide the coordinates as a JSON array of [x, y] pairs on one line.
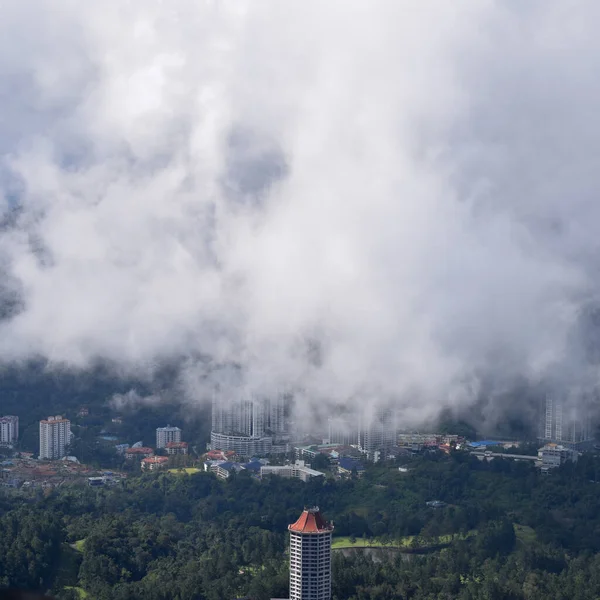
[[391, 201]]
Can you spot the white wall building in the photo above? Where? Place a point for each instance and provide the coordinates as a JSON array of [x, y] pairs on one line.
[[555, 455], [242, 445], [55, 436], [377, 433], [310, 557], [566, 419], [247, 423], [9, 430], [167, 434], [342, 431], [296, 471]]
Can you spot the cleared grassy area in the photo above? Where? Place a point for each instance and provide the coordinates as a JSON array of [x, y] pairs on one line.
[[188, 470], [344, 542], [252, 569], [403, 542], [79, 545], [524, 533], [80, 591], [68, 565]]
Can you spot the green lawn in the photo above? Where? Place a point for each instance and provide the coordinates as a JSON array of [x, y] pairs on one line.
[[188, 470], [524, 533], [403, 542]]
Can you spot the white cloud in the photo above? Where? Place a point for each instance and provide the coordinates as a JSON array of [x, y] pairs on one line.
[[411, 185]]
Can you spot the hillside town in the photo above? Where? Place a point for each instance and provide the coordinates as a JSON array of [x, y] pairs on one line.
[[267, 447]]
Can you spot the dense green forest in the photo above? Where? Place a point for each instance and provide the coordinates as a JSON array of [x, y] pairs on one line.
[[194, 537]]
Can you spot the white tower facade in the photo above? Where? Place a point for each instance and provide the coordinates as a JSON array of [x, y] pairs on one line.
[[9, 430], [342, 431], [310, 557], [566, 419], [247, 423], [167, 434], [55, 436], [377, 433]]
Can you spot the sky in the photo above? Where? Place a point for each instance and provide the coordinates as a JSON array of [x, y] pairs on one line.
[[367, 201]]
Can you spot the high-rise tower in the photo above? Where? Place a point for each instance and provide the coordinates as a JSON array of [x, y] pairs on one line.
[[377, 433], [247, 423], [55, 437], [310, 556], [566, 419], [9, 430], [167, 434]]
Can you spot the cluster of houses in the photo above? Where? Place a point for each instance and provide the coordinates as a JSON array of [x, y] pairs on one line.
[[223, 464]]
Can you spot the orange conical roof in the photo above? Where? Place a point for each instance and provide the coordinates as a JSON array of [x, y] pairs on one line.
[[311, 521]]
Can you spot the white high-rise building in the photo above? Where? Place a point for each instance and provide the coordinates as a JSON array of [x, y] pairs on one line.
[[377, 433], [9, 430], [55, 436], [566, 419], [310, 557], [247, 424], [167, 434], [342, 431]]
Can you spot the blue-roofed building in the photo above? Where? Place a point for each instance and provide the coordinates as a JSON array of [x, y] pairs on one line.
[[253, 466], [347, 465], [484, 443]]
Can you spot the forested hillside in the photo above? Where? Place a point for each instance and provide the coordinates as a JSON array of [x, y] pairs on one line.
[[508, 532]]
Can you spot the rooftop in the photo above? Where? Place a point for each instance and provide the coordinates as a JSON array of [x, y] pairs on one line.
[[484, 443], [311, 521], [155, 460], [351, 463], [139, 450], [56, 419]]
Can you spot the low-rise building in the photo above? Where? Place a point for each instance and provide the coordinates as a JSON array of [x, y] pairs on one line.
[[121, 448], [138, 453], [152, 463], [347, 466], [220, 455], [254, 467], [298, 470], [176, 448], [554, 455], [222, 468], [333, 451]]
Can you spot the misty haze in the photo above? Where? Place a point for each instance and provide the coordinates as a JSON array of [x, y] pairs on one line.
[[410, 192], [255, 228]]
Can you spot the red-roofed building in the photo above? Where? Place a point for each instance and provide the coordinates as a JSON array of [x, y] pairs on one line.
[[220, 455], [310, 556], [176, 448], [138, 453], [154, 462]]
